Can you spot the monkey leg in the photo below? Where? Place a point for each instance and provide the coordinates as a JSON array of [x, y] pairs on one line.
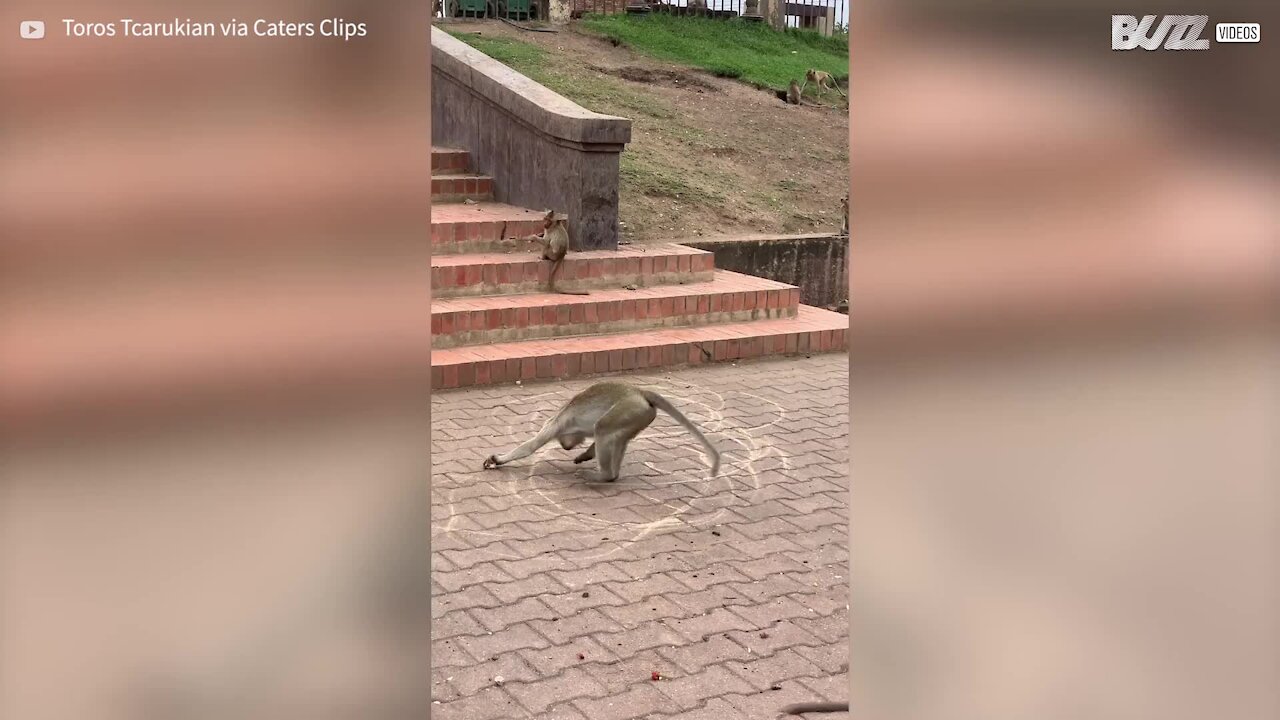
[[544, 436], [616, 429], [551, 283], [570, 441], [551, 279], [608, 448], [590, 454]]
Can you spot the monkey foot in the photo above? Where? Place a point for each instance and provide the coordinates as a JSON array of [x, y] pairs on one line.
[[491, 462]]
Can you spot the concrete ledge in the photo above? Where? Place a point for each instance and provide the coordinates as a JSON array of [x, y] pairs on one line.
[[543, 151], [818, 264]]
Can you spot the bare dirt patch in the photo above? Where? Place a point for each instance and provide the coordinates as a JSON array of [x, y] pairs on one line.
[[713, 157], [684, 79]]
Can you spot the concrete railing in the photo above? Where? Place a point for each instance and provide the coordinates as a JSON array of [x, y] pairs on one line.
[[543, 151]]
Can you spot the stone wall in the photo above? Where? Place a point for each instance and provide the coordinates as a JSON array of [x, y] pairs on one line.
[[817, 264], [543, 151]]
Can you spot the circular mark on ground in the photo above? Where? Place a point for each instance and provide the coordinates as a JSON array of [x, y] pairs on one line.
[[665, 481]]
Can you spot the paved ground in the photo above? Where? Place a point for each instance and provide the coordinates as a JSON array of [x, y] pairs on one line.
[[734, 590]]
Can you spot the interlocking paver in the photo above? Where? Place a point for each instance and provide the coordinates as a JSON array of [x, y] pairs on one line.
[[765, 672], [639, 588], [551, 661], [693, 690], [494, 644], [455, 580], [623, 674], [532, 586], [633, 615], [474, 596], [682, 574], [715, 709], [488, 704], [641, 701], [765, 704], [713, 622], [539, 695], [530, 608], [588, 622], [833, 659], [456, 623], [511, 667]]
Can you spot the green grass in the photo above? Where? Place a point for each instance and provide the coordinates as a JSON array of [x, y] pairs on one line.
[[752, 52], [523, 57], [602, 95], [654, 179]]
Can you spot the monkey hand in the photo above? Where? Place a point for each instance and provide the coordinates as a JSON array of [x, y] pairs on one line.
[[491, 462]]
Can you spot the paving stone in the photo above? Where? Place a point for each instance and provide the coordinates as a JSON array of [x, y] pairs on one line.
[[539, 695], [690, 575]]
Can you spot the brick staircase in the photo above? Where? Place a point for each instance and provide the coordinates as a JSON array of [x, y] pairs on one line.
[[652, 306]]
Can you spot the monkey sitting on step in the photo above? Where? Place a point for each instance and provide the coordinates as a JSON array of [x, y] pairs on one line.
[[554, 239], [612, 414]]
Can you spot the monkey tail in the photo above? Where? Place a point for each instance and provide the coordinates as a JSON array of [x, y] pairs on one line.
[[661, 403], [802, 708]]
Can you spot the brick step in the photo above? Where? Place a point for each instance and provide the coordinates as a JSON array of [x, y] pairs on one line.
[[456, 187], [478, 228], [811, 330], [500, 273], [729, 297], [449, 160]]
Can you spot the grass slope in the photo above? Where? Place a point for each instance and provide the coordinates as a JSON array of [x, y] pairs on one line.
[[593, 93], [752, 52], [686, 172]]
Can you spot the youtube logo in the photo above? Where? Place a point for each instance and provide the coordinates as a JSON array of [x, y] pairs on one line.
[[31, 29]]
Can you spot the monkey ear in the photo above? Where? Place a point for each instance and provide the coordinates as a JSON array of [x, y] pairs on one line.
[[551, 214]]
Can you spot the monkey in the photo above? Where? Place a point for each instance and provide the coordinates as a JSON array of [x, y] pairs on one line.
[[844, 206], [793, 93], [820, 78], [612, 414], [825, 707], [554, 239]]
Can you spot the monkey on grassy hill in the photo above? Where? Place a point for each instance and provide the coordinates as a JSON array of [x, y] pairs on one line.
[[820, 78], [802, 708], [793, 93], [554, 239], [612, 414]]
